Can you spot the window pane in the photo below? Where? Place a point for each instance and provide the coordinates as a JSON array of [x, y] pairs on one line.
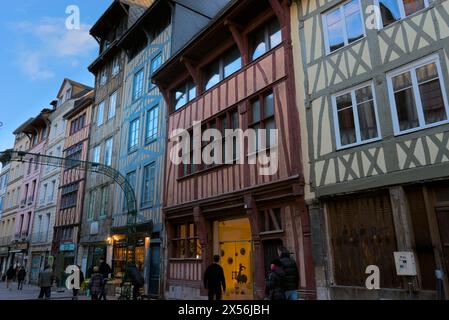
[[258, 45], [354, 24], [138, 85], [269, 106], [412, 6], [335, 30], [426, 73], [156, 62], [389, 10], [432, 101], [270, 125], [346, 119], [191, 90], [256, 111], [402, 81], [100, 113], [152, 124], [112, 105], [180, 97], [406, 109], [275, 33], [367, 121], [212, 75], [232, 62]]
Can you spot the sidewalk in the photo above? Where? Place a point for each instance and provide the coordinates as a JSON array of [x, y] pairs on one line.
[[31, 292]]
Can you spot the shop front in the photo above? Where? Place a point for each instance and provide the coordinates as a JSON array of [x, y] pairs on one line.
[[65, 257]]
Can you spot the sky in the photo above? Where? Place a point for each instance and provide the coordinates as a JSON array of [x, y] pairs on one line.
[[37, 52]]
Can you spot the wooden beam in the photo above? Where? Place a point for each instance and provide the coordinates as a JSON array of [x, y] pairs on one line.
[[279, 11], [192, 69], [240, 40]]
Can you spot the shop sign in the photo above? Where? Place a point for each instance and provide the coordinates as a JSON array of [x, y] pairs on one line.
[[67, 247]]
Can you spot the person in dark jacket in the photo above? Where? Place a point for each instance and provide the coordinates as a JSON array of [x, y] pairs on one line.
[[10, 277], [21, 278], [137, 280], [45, 282], [291, 274], [276, 281], [105, 270], [96, 284], [214, 280]]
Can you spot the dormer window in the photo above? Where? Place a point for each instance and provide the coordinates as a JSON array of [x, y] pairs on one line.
[[68, 94]]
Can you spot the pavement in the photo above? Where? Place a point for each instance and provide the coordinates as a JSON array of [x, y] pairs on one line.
[[31, 292]]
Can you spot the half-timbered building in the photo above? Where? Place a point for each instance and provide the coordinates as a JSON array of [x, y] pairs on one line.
[[236, 74], [372, 91]]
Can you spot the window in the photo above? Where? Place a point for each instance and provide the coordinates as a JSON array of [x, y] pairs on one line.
[[43, 194], [134, 128], [131, 177], [184, 94], [91, 205], [69, 196], [51, 194], [355, 116], [225, 66], [100, 113], [343, 25], [68, 94], [152, 125], [156, 62], [77, 124], [74, 153], [138, 85], [96, 154], [417, 96], [186, 243], [108, 151], [148, 185], [262, 117], [265, 39], [104, 201], [116, 66], [112, 105], [103, 77], [395, 10]]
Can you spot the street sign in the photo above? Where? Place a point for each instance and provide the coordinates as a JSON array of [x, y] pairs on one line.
[[67, 247]]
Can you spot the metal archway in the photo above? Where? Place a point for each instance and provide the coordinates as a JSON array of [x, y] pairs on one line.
[[131, 202]]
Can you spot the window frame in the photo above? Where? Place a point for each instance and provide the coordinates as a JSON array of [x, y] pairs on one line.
[[134, 147], [101, 106], [153, 69], [340, 7], [434, 58], [184, 85], [115, 70], [105, 151], [153, 137], [136, 95], [379, 21], [352, 91], [114, 94], [148, 203], [220, 60], [265, 27]]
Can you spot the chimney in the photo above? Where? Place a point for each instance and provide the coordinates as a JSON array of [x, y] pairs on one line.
[[54, 103]]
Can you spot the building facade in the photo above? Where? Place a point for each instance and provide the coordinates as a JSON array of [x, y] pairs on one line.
[[11, 205], [236, 74], [4, 176], [149, 43], [372, 91], [104, 145], [37, 131]]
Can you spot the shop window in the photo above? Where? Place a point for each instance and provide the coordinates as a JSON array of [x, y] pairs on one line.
[[186, 243], [417, 96]]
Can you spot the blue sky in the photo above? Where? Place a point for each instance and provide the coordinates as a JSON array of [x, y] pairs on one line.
[[37, 52]]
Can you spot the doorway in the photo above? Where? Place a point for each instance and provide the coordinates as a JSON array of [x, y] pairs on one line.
[[155, 270], [232, 239], [443, 225]]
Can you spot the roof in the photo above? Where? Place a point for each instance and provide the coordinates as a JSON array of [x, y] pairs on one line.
[[73, 83], [84, 101], [31, 124]]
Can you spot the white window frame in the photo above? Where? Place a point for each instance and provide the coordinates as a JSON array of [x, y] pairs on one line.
[[108, 157], [380, 24], [412, 67], [355, 113], [112, 97], [345, 32]]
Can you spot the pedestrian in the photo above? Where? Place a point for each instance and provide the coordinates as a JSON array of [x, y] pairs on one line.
[[291, 274], [10, 274], [276, 281], [96, 284], [76, 287], [45, 282], [21, 278], [214, 280], [105, 270], [137, 280]]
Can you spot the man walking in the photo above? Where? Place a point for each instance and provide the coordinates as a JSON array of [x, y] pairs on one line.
[[45, 282], [21, 278], [214, 280], [105, 270], [10, 277], [291, 274]]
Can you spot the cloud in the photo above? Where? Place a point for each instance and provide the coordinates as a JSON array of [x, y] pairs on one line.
[[49, 41]]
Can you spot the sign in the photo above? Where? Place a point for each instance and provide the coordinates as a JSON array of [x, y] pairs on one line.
[[405, 263], [67, 247]]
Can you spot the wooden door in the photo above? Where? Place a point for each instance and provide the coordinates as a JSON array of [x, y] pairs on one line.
[[443, 225]]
